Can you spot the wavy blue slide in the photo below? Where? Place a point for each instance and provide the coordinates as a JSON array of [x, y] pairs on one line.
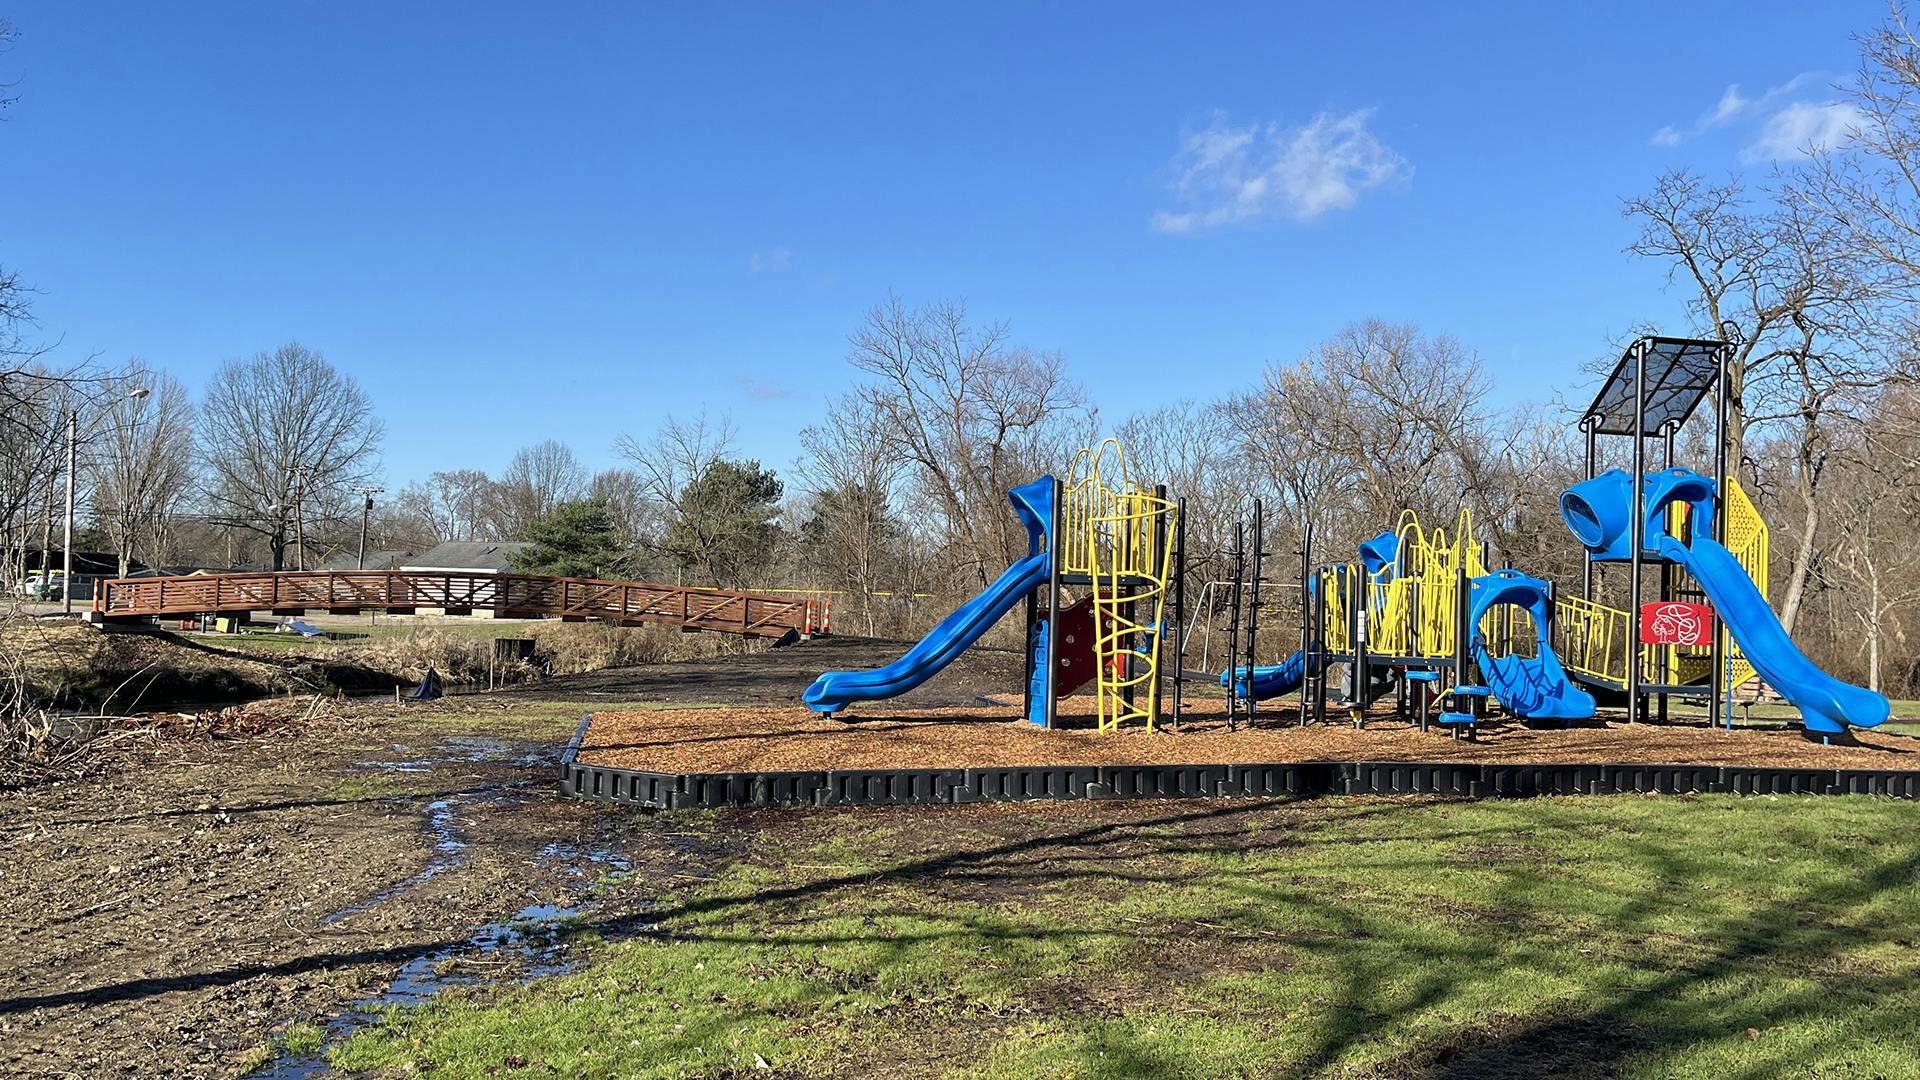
[[1530, 687], [838, 689], [1825, 703]]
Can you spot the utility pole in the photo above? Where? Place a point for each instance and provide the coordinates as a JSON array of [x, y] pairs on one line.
[[366, 510], [66, 555], [299, 473]]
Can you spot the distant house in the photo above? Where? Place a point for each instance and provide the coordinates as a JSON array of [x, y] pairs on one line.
[[468, 557], [389, 559]]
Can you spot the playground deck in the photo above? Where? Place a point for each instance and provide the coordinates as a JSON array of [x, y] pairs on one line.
[[762, 739]]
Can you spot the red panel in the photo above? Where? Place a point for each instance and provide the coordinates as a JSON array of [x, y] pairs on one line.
[[1674, 622]]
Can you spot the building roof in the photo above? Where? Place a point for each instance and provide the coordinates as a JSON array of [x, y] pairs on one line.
[[384, 559], [481, 555]]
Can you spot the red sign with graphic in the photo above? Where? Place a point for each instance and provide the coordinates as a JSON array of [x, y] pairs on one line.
[[1673, 622]]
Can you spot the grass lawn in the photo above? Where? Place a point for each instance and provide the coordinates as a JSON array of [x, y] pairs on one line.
[[363, 630], [1642, 937]]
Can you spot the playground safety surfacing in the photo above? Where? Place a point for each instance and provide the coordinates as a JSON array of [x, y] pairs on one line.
[[767, 757]]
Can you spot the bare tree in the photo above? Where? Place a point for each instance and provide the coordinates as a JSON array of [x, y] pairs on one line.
[[849, 528], [282, 423], [973, 415], [539, 478], [1791, 294], [142, 459], [448, 505]]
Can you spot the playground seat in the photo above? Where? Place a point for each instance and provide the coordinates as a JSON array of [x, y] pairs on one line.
[[1472, 691], [1458, 721], [1425, 680]]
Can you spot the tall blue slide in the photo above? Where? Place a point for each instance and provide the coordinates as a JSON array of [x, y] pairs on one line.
[[1598, 511], [836, 690], [1825, 703]]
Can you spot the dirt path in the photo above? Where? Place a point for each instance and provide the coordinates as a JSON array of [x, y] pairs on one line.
[[780, 676], [166, 920]]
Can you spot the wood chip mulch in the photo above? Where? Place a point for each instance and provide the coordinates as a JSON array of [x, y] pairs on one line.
[[768, 739]]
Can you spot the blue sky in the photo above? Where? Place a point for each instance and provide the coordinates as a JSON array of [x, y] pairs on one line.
[[520, 222]]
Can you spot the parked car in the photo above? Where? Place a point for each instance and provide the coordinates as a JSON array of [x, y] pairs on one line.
[[37, 586]]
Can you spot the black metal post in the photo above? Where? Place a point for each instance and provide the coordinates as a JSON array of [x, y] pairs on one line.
[[1179, 606], [1233, 626], [1593, 464], [1253, 602], [1306, 617], [1156, 558], [1638, 526], [1722, 406]]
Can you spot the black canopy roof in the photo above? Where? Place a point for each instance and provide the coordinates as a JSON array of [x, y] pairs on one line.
[[1680, 371]]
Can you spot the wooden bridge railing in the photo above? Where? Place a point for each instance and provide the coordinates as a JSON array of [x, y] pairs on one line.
[[509, 595]]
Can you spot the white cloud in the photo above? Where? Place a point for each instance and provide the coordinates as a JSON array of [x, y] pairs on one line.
[[764, 389], [1804, 126], [1733, 105], [774, 260], [1230, 175]]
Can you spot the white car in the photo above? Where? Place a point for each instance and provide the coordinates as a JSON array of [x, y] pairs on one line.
[[36, 586]]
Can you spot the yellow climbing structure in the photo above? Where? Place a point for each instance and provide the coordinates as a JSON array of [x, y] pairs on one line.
[[1120, 535], [1412, 601]]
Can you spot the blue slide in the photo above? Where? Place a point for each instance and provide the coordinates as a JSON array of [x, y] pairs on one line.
[[1825, 703], [1599, 511], [836, 690], [1530, 687], [1272, 680]]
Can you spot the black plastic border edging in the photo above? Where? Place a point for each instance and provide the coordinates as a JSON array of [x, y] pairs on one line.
[[1007, 783]]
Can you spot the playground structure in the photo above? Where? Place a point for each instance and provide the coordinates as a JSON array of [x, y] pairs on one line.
[[1112, 541], [516, 596], [1424, 615], [1418, 613]]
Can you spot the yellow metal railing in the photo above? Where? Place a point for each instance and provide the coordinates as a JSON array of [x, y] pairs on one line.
[[1121, 536]]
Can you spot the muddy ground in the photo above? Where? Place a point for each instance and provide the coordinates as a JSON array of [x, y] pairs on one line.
[[168, 913], [780, 676]]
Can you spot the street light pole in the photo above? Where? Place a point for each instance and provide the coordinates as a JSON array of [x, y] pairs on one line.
[[299, 519], [66, 544]]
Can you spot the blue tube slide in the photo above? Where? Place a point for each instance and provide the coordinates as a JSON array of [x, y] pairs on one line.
[[836, 690], [1531, 687], [1271, 680], [1598, 511]]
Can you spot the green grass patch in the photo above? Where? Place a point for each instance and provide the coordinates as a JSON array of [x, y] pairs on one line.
[[1677, 936]]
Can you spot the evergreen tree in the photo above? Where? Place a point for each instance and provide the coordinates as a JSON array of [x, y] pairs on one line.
[[725, 523], [575, 539]]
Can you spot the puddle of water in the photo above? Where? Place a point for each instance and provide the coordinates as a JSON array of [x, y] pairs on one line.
[[584, 862], [448, 854], [531, 939], [530, 944]]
